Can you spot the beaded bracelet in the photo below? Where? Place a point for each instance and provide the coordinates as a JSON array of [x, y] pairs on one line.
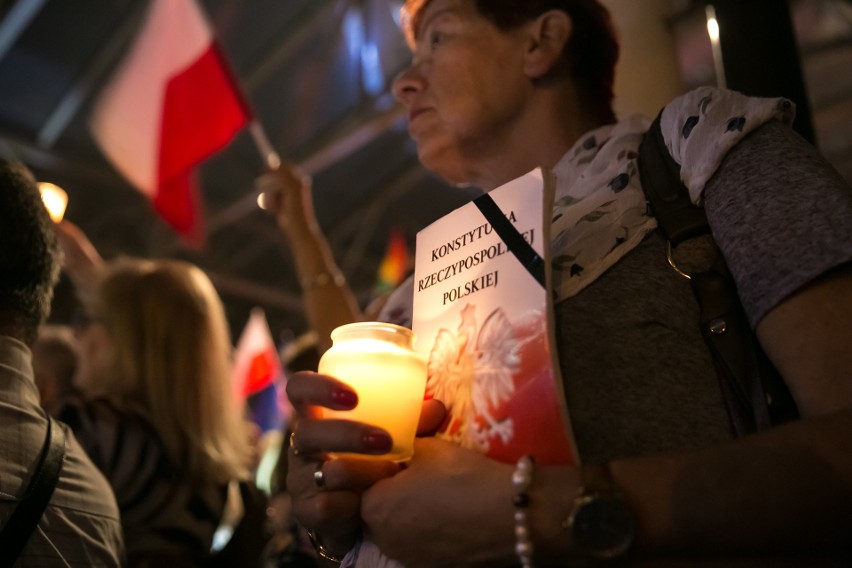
[[521, 480]]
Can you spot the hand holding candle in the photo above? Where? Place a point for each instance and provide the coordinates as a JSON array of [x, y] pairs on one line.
[[378, 361]]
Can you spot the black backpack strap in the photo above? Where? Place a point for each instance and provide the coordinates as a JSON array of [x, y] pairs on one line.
[[513, 240], [678, 218], [728, 336], [755, 394], [24, 519]]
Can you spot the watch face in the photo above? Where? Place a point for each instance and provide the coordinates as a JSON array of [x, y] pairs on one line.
[[602, 525]]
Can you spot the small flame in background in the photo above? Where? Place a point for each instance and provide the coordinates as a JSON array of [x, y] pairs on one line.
[[55, 200]]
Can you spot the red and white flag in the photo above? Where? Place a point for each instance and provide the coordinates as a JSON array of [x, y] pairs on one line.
[[258, 375], [170, 105]]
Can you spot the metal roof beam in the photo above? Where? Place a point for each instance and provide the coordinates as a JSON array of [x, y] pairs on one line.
[[16, 21]]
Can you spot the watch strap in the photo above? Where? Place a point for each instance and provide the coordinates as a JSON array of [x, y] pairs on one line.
[[597, 478]]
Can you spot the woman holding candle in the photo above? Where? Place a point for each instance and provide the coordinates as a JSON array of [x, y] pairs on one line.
[[495, 90]]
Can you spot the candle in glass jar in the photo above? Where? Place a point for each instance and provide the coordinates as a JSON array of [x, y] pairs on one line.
[[379, 362]]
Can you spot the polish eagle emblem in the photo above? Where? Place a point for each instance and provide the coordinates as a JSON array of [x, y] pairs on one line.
[[471, 371]]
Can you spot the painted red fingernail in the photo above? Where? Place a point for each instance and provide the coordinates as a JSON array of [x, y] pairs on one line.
[[376, 440], [344, 397]]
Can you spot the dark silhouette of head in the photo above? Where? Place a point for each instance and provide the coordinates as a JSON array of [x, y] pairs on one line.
[[29, 254]]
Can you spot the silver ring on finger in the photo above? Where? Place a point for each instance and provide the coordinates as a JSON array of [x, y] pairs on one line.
[[319, 476]]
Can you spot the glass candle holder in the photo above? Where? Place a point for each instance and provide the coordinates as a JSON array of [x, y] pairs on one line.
[[379, 362]]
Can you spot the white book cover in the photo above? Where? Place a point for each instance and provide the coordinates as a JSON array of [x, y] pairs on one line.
[[484, 323]]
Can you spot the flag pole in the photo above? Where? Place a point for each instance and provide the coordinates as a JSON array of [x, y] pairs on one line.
[[267, 152], [270, 157]]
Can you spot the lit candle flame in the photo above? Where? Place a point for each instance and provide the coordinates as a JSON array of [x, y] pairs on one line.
[[55, 200]]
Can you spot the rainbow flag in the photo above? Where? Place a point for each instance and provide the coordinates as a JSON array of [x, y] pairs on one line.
[[395, 264]]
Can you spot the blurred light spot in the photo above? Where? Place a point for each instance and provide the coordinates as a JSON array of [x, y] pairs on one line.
[[55, 200], [395, 7], [371, 69], [353, 32], [363, 52], [712, 24], [713, 29]]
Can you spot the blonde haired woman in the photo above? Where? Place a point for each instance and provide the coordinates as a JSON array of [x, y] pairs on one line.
[[161, 421]]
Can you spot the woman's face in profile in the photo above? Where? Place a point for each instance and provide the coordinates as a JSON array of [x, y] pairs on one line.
[[465, 89]]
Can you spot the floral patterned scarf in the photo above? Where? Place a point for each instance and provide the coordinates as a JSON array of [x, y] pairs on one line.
[[600, 212]]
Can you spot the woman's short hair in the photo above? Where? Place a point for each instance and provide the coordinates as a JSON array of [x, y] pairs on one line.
[[590, 54]]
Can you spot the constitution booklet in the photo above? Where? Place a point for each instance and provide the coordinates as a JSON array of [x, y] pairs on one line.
[[483, 317]]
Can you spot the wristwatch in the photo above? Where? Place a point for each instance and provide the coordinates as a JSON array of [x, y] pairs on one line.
[[601, 523]]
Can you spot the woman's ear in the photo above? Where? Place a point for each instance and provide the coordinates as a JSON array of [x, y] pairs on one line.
[[548, 35]]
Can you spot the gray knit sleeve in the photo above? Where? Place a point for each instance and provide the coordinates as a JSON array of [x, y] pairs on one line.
[[781, 215]]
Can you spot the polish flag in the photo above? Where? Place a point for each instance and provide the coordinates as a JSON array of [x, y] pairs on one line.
[[258, 375], [170, 105]]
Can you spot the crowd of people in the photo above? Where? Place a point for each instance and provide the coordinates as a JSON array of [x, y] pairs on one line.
[[158, 457]]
